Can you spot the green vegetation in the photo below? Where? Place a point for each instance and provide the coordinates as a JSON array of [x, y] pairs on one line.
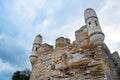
[[21, 75]]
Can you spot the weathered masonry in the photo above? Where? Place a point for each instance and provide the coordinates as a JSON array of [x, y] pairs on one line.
[[86, 58]]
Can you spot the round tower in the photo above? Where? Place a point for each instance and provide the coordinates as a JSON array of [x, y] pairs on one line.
[[37, 43], [94, 30]]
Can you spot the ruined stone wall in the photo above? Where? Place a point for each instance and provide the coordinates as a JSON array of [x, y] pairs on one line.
[[80, 60], [72, 62]]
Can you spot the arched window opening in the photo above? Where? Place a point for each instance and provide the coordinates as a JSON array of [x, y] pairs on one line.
[[36, 49], [90, 25], [96, 23]]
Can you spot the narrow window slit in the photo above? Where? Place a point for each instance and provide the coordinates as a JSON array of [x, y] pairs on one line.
[[96, 23], [36, 49], [90, 24]]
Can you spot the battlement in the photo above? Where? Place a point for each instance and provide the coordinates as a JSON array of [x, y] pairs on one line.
[[62, 42], [81, 34]]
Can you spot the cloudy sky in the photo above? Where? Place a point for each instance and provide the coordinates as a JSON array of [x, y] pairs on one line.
[[22, 20]]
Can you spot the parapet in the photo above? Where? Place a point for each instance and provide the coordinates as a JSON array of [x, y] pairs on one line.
[[45, 47], [82, 33], [62, 42]]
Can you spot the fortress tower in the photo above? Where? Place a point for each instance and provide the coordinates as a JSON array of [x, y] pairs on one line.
[[86, 58], [37, 43], [94, 30]]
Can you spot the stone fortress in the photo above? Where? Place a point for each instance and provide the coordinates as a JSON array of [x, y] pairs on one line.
[[86, 58]]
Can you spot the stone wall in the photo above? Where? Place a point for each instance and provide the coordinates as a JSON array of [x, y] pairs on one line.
[[79, 60], [72, 63]]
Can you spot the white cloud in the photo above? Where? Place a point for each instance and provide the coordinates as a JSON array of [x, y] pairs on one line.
[[4, 66], [25, 10], [7, 70], [110, 4], [2, 36], [109, 18]]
